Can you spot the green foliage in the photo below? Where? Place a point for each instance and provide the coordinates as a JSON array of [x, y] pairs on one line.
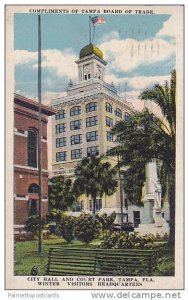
[[165, 266], [87, 228], [66, 228], [95, 178], [55, 215], [145, 137], [124, 240], [134, 179], [61, 193], [106, 221], [32, 224]]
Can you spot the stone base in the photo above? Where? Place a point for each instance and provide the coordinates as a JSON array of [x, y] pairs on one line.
[[153, 229]]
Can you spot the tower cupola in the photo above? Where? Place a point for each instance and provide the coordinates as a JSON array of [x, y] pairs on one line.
[[91, 63]]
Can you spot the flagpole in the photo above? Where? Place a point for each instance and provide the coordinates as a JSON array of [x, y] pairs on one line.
[[90, 29], [39, 138]]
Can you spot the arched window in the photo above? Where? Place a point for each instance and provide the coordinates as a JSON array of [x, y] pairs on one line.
[[76, 110], [33, 191], [127, 117], [92, 106], [32, 148], [61, 114], [33, 188], [108, 107], [118, 112]]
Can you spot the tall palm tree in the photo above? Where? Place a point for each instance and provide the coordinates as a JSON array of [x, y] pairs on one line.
[[146, 137], [61, 194], [95, 178]]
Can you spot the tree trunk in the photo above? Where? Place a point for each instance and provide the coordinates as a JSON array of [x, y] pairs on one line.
[[94, 205], [171, 194]]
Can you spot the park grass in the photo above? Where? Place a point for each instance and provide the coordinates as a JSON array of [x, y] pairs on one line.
[[26, 255]]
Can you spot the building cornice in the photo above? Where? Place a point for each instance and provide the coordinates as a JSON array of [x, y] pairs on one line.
[[81, 99]]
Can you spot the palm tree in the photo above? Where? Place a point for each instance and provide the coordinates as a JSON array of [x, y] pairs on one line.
[[61, 194], [95, 178], [145, 137]]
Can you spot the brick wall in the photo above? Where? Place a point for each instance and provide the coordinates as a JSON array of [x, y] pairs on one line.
[[24, 119]]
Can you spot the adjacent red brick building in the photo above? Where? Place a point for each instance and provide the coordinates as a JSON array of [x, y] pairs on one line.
[[26, 159]]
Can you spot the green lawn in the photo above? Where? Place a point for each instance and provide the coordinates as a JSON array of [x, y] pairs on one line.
[[26, 255]]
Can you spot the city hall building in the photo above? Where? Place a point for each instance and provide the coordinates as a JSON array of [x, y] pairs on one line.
[[82, 127], [26, 159]]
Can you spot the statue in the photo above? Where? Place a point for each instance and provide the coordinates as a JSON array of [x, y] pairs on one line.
[[158, 191]]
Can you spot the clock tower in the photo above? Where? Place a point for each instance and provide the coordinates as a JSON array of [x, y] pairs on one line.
[[90, 63]]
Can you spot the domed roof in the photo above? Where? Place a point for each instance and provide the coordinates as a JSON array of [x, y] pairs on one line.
[[90, 49]]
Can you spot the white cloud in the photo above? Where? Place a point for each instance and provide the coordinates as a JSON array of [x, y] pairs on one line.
[[61, 62], [24, 56], [143, 82], [137, 83], [109, 36], [48, 96], [168, 29], [128, 54]]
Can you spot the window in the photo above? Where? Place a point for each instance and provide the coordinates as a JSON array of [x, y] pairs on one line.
[[92, 136], [33, 188], [61, 142], [108, 107], [98, 204], [92, 106], [109, 136], [136, 215], [92, 151], [90, 205], [127, 117], [76, 153], [61, 156], [74, 125], [109, 122], [60, 128], [32, 148], [82, 205], [92, 121], [60, 114], [76, 139], [76, 110], [118, 112], [87, 76]]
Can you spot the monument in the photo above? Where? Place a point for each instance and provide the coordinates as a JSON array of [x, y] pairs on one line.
[[153, 220]]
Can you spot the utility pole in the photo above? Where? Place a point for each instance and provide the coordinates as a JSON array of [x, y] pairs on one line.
[[39, 138]]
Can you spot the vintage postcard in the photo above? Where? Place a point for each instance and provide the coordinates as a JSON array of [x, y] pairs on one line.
[[94, 147]]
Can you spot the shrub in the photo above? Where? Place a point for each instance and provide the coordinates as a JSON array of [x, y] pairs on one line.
[[165, 266], [87, 228], [32, 224], [125, 240], [106, 221], [66, 228], [55, 216]]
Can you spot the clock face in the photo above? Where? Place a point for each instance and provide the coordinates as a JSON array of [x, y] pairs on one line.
[[86, 69]]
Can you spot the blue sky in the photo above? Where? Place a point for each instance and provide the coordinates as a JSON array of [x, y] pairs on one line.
[[139, 49]]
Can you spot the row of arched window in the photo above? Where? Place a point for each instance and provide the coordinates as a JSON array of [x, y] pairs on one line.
[[92, 106]]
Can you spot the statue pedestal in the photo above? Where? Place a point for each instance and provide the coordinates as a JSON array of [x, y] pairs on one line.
[[152, 222], [148, 217], [157, 214], [159, 225]]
